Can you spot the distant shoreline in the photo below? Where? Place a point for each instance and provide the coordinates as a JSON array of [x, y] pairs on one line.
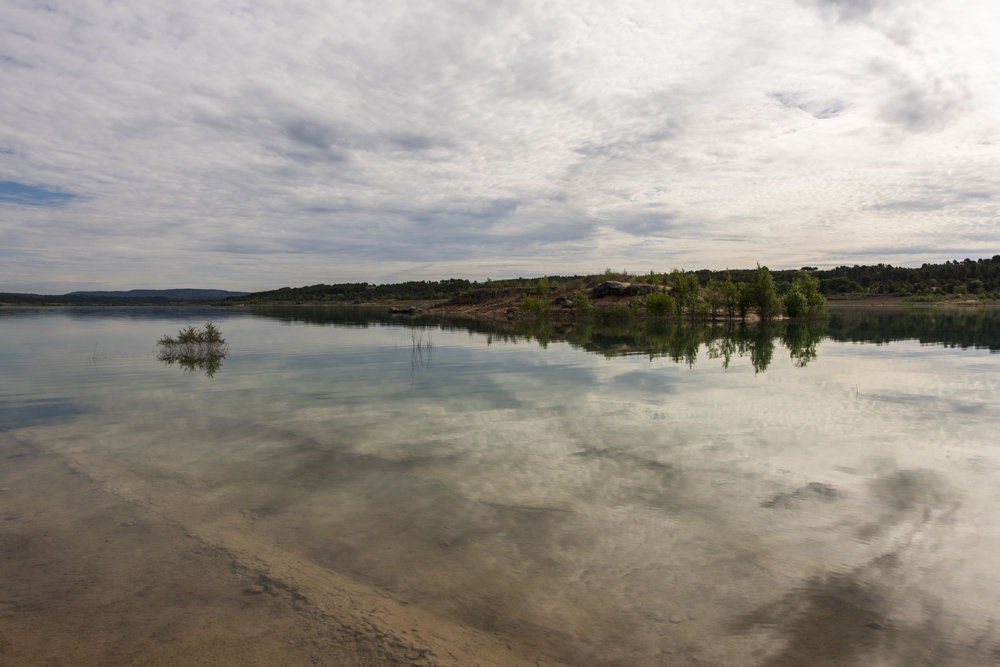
[[435, 306]]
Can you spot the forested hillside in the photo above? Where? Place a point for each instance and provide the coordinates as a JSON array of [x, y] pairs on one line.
[[414, 290], [953, 278], [979, 278]]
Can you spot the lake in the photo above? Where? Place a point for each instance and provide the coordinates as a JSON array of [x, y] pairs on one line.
[[353, 486]]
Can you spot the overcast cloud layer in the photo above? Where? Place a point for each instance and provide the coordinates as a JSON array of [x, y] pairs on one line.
[[252, 145]]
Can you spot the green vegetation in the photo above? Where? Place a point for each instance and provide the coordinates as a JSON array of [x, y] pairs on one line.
[[679, 295], [684, 289], [725, 292], [729, 294], [762, 295], [195, 349], [803, 298], [536, 307], [660, 304], [190, 337], [582, 304], [967, 278]]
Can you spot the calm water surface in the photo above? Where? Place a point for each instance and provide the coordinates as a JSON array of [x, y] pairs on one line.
[[822, 494]]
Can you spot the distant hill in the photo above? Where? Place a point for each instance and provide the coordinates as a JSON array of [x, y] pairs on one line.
[[136, 297], [413, 290], [187, 295]]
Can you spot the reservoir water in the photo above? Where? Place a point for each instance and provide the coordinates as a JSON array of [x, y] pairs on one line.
[[822, 493]]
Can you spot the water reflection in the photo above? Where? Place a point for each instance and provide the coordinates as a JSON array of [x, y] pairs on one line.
[[681, 342], [604, 494], [971, 327], [209, 362], [685, 342], [421, 346]]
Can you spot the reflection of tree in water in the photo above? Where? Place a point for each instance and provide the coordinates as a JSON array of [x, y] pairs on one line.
[[682, 341], [722, 347], [963, 327], [758, 342], [539, 330], [678, 341], [801, 338], [975, 327], [208, 362]]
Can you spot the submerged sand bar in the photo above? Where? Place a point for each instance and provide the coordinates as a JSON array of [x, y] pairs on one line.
[[94, 574]]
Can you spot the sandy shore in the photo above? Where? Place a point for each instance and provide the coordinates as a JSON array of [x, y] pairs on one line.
[[92, 576]]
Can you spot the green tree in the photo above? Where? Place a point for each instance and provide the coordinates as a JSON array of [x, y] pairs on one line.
[[730, 295], [684, 286], [803, 298], [715, 296], [763, 296], [809, 286], [796, 304], [744, 299]]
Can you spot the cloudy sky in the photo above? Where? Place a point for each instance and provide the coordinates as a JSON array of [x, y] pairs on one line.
[[258, 144]]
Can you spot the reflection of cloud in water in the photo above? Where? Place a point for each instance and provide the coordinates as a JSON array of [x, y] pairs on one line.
[[912, 498], [836, 619], [906, 489], [862, 616], [606, 510], [929, 405]]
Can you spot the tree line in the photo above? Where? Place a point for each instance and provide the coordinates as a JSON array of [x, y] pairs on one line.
[[954, 278], [970, 278]]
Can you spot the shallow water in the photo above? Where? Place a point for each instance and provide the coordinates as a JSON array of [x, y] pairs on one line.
[[826, 495]]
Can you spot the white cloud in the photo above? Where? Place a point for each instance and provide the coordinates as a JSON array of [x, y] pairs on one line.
[[267, 144]]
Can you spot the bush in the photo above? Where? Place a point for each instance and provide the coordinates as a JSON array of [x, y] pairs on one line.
[[210, 336], [660, 304], [796, 303], [194, 349], [537, 307], [582, 304]]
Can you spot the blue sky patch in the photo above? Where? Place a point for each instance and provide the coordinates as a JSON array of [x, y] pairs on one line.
[[29, 195]]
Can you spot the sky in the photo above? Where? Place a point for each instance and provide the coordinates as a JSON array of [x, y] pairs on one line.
[[255, 145]]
